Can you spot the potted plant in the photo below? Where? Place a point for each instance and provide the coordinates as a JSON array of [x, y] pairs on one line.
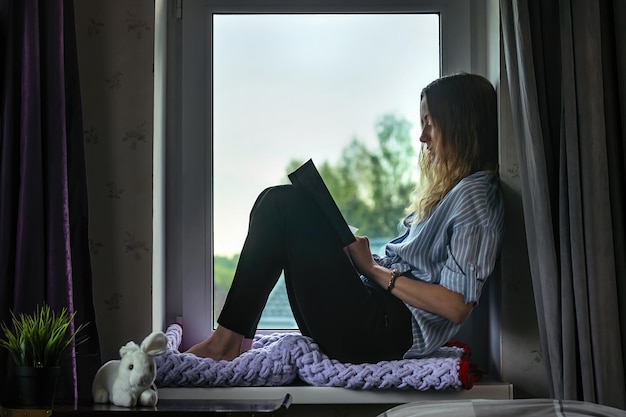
[[38, 343]]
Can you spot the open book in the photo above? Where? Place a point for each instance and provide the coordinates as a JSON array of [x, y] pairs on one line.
[[308, 176]]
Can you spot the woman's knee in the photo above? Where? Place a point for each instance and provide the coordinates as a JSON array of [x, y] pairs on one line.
[[280, 195], [278, 199]]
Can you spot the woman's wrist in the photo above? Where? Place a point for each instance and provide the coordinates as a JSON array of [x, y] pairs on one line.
[[383, 276], [394, 273]]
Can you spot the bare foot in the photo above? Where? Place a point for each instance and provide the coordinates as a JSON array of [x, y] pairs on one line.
[[206, 349], [223, 344]]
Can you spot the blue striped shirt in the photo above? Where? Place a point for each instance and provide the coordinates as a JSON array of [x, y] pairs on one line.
[[456, 247]]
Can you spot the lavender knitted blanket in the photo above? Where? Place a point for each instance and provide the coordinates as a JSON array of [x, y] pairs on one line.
[[278, 359]]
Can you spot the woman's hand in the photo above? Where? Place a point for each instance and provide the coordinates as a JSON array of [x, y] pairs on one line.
[[361, 255], [430, 297]]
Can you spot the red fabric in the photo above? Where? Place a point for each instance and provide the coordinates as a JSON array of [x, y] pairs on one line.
[[469, 374]]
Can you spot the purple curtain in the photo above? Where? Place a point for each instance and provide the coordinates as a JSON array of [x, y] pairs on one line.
[[44, 247]]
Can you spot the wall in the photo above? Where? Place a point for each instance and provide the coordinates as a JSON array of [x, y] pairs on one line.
[[115, 51], [521, 360], [115, 42], [522, 356]]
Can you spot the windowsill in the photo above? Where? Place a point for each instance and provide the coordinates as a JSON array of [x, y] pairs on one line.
[[305, 394]]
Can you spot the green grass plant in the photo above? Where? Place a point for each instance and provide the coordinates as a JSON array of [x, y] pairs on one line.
[[41, 339]]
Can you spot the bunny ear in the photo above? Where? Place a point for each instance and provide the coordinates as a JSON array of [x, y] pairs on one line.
[[128, 347], [155, 344]]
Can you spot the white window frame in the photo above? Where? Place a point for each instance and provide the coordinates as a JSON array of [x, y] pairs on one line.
[[184, 216]]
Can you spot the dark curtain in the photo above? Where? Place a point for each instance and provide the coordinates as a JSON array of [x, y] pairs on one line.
[[44, 247], [566, 69]]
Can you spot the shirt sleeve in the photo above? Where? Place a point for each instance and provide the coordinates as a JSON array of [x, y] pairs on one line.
[[472, 254]]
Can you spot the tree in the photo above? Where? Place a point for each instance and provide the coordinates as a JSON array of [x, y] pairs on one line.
[[372, 186]]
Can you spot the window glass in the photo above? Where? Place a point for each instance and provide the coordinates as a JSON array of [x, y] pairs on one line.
[[342, 89]]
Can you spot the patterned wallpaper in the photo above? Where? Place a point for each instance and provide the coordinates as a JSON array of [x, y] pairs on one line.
[[115, 45], [115, 51]]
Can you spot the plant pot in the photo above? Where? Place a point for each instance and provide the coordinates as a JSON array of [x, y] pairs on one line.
[[36, 387]]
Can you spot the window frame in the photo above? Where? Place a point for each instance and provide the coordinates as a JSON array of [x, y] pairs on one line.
[[188, 160]]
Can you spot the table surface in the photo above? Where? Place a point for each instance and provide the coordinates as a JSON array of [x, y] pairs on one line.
[[164, 408]]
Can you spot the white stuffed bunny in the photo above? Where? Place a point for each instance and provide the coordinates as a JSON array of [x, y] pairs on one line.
[[128, 382]]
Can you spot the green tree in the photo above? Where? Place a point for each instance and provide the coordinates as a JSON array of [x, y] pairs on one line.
[[224, 269], [372, 186]]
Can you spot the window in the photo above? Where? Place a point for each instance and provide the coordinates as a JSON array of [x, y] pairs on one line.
[[334, 87], [195, 162]]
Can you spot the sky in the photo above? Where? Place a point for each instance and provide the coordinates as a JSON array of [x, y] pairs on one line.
[[303, 86]]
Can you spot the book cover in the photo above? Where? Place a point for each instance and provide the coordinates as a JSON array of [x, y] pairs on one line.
[[308, 176]]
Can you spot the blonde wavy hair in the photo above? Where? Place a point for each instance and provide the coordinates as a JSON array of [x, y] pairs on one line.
[[463, 108]]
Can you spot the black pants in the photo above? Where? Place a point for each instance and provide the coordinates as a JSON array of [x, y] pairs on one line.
[[350, 321]]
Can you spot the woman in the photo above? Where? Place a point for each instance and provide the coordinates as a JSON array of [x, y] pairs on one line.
[[365, 308]]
